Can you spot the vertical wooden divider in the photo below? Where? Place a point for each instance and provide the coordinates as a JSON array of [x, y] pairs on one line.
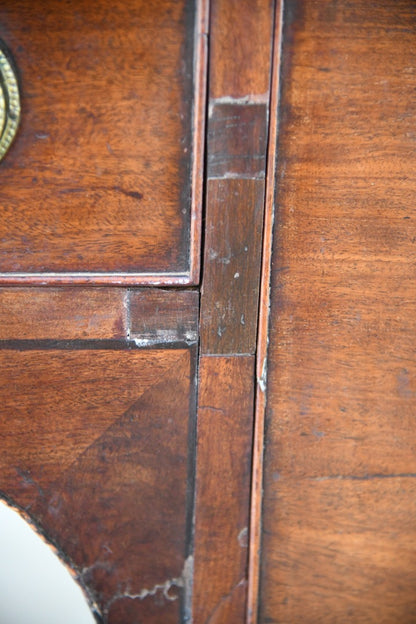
[[262, 333], [238, 113]]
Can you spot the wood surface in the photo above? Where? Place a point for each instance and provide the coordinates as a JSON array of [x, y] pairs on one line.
[[63, 313], [232, 257], [225, 422], [237, 140], [240, 48], [344, 550], [263, 332], [99, 179], [159, 316], [237, 136], [103, 185], [339, 517], [238, 95], [138, 317], [95, 448]]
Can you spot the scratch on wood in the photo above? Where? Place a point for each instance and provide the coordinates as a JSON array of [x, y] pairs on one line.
[[184, 581]]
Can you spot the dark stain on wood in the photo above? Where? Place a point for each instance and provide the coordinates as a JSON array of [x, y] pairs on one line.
[[237, 140], [134, 194], [232, 259]]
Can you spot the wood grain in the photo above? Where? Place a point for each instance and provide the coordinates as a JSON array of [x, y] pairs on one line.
[[344, 550], [241, 35], [95, 449], [239, 82], [263, 332], [63, 313], [163, 316], [232, 259], [340, 461], [224, 443], [99, 178], [237, 140]]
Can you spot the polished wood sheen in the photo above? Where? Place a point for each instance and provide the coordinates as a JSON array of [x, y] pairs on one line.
[[98, 384], [99, 181], [339, 519]]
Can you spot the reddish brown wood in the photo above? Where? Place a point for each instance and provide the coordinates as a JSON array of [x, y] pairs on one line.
[[198, 164], [95, 449], [232, 258], [236, 157], [99, 178], [63, 313], [343, 550], [97, 279], [163, 316], [128, 610], [340, 464], [237, 140], [263, 335], [225, 420], [241, 35]]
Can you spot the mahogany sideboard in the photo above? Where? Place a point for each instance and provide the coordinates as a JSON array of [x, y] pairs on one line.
[[207, 305]]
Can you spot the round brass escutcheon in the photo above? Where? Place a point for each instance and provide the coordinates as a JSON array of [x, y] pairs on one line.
[[9, 102]]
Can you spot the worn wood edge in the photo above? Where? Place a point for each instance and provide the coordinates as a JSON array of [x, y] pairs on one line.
[[199, 123], [246, 100], [96, 279], [176, 316], [255, 531], [74, 572]]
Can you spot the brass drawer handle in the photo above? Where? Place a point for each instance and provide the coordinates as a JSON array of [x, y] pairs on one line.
[[9, 102]]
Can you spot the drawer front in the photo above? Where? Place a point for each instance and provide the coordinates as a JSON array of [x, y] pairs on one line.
[[101, 183]]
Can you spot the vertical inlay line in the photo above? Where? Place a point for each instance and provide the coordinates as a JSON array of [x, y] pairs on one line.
[[262, 332]]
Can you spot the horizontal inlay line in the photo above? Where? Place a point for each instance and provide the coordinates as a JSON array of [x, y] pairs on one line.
[[86, 345]]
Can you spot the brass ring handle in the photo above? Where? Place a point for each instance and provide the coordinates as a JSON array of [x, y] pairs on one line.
[[9, 102]]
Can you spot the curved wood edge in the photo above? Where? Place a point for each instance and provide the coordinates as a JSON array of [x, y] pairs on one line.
[[69, 565], [262, 335]]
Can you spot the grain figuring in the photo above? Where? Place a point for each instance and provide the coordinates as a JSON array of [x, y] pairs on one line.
[[339, 517]]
